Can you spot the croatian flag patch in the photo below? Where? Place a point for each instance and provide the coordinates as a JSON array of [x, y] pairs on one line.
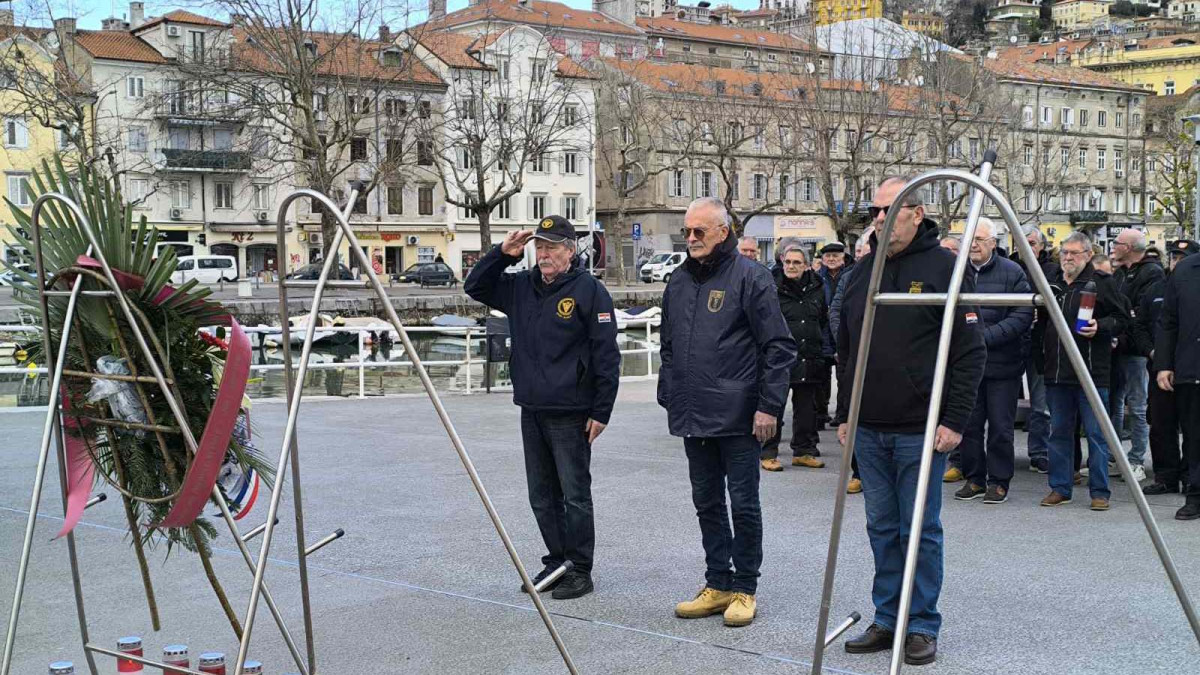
[[972, 317], [604, 317]]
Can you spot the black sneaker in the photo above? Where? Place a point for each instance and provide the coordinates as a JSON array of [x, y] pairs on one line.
[[1039, 465], [1188, 512], [542, 575], [968, 492], [573, 585], [874, 639], [995, 495], [1157, 488], [919, 649]]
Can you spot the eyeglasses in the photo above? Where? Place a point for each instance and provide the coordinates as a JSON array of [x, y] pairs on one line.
[[983, 240], [1072, 254], [699, 232], [794, 263], [875, 211]]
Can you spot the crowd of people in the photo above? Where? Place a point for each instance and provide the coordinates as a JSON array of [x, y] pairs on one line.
[[738, 337]]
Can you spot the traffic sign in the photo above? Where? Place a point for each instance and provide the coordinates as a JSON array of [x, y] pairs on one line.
[[637, 231]]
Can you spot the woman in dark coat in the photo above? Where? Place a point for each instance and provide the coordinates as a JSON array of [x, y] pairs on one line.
[[802, 299]]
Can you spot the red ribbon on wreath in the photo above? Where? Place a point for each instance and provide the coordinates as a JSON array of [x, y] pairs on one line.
[[202, 474]]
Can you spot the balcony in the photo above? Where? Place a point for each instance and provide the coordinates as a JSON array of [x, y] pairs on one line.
[[193, 110], [211, 161]]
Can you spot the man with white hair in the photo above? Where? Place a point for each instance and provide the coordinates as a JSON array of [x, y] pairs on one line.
[[1135, 275], [989, 469], [748, 247], [727, 357]]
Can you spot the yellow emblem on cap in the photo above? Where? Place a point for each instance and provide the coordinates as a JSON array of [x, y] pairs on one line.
[[547, 223], [566, 307], [716, 300]]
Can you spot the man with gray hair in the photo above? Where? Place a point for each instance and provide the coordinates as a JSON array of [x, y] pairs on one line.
[[726, 356], [748, 247], [1135, 275], [1038, 424]]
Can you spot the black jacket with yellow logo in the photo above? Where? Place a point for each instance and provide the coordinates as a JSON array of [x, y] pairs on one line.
[[726, 349], [564, 335]]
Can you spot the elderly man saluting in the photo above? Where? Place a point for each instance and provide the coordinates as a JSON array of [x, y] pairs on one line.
[[726, 360], [565, 368]]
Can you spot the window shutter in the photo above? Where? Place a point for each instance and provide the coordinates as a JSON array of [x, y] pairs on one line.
[[687, 183], [562, 206], [529, 206]]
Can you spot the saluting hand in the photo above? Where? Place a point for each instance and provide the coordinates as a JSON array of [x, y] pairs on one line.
[[594, 429], [514, 244], [764, 426]]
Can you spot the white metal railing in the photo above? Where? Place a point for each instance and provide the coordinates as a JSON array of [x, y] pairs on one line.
[[362, 365]]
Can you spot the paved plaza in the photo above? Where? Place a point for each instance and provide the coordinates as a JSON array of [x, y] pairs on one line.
[[421, 583]]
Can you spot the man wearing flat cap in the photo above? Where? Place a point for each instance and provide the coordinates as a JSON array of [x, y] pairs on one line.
[[565, 367], [834, 265]]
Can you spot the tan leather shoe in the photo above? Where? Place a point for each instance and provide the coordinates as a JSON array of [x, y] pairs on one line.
[[741, 610], [809, 461], [953, 475], [1099, 504], [707, 602], [1055, 499], [854, 487], [771, 465]]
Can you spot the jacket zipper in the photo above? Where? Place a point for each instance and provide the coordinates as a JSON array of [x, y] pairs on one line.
[[691, 343]]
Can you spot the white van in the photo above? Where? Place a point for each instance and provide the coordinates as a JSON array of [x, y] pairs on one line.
[[660, 267], [207, 269]]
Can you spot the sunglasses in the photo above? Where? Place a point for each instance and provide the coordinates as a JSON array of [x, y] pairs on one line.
[[699, 232], [874, 211]]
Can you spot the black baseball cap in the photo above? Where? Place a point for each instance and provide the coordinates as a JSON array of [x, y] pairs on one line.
[[554, 228], [834, 247], [1184, 247]]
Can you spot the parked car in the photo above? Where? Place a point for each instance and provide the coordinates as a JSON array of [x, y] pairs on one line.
[[428, 274], [9, 278], [661, 265], [207, 269], [313, 272]]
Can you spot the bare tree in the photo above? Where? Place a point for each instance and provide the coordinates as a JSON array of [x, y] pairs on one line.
[[1170, 166]]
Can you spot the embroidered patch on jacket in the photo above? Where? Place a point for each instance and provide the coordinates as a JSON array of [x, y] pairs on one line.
[[604, 317], [566, 307], [916, 287], [716, 300], [972, 318]]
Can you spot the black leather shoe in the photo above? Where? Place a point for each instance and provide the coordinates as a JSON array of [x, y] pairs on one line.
[[542, 575], [1157, 488], [573, 585], [1188, 512], [874, 639], [919, 649]]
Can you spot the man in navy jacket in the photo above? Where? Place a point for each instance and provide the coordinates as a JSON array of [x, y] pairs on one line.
[[1006, 334], [1177, 364], [726, 361], [565, 367]]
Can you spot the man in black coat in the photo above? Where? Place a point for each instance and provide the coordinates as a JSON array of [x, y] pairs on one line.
[[1006, 334], [894, 410], [1068, 403], [1177, 360], [1038, 424], [836, 263], [565, 369], [802, 300], [726, 357]]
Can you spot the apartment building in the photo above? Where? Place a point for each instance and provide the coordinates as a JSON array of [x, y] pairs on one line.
[[1073, 14], [728, 46]]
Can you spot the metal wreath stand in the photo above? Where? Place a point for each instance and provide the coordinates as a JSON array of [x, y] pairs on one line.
[[1044, 297], [289, 453]]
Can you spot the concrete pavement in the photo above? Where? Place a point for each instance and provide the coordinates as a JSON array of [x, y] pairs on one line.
[[421, 584]]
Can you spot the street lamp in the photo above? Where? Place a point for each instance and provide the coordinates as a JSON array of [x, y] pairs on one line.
[[1195, 120]]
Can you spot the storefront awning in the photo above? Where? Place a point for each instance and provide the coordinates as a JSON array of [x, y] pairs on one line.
[[761, 226]]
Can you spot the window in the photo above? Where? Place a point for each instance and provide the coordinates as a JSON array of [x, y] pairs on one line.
[[570, 115], [833, 141], [1083, 117], [424, 110], [570, 207], [1083, 199], [18, 189], [537, 69], [1169, 88], [1067, 117], [1064, 156], [1027, 115], [808, 190], [1026, 199], [706, 184], [396, 108], [760, 139], [135, 86], [1101, 118], [360, 201], [503, 66], [735, 187], [536, 113], [1047, 114], [1028, 154], [1101, 157], [1045, 155], [466, 159], [973, 149], [425, 200], [181, 194], [675, 183], [425, 153], [537, 207], [425, 254], [538, 163], [466, 108], [137, 139], [503, 210], [571, 163], [758, 188], [785, 138], [223, 195], [261, 199], [1118, 163], [785, 187], [358, 149], [178, 138], [223, 139], [16, 133], [138, 189], [1083, 158], [1119, 120], [1136, 121], [395, 200], [1119, 201], [1135, 202], [395, 149]]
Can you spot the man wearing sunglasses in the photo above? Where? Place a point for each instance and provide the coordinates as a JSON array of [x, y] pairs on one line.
[[894, 408], [726, 356]]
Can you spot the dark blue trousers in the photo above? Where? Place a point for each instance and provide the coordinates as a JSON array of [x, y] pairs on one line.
[[714, 465], [991, 463], [558, 462]]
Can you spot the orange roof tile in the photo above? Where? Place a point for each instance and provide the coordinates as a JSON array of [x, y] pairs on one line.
[[339, 56], [1165, 41], [180, 16], [1041, 52], [1053, 74], [535, 13], [452, 49], [117, 45], [725, 34]]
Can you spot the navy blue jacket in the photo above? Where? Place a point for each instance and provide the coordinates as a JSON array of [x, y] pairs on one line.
[[726, 350], [564, 335], [1178, 345], [904, 344], [831, 288], [1005, 329]]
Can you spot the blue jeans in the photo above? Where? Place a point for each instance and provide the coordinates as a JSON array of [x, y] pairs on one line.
[[1135, 380], [1067, 405], [889, 464], [558, 473], [732, 558], [1038, 425]]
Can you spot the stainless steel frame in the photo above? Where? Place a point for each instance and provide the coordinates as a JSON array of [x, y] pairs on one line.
[[53, 428], [295, 384], [981, 189]]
